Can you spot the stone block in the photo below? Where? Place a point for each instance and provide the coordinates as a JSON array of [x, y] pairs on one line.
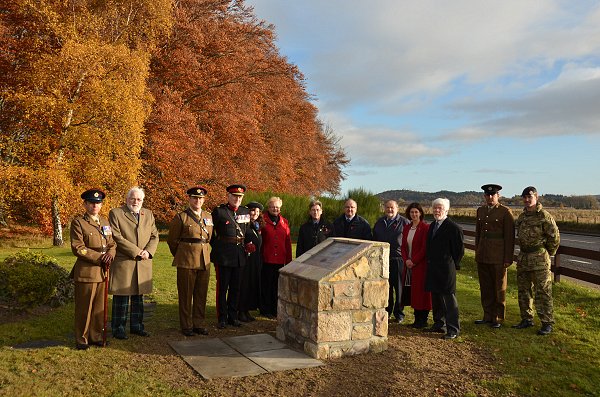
[[334, 326], [358, 347], [362, 331], [346, 303], [308, 294], [346, 274], [283, 288], [378, 344], [280, 333], [324, 302], [381, 323], [318, 351], [346, 289], [361, 267], [362, 316], [375, 294]]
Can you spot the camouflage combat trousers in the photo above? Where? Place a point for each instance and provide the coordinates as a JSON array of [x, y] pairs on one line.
[[536, 283]]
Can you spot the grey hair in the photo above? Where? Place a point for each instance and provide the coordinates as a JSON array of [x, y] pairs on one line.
[[313, 203], [275, 199], [443, 201], [135, 189]]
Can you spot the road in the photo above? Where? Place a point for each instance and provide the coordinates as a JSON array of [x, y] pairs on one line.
[[566, 239]]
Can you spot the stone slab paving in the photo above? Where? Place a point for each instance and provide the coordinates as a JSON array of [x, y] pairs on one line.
[[240, 356]]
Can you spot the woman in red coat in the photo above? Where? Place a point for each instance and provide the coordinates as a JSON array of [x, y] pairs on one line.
[[276, 252], [414, 239]]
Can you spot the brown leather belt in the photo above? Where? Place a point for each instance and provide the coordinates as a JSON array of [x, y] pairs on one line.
[[193, 240], [234, 240]]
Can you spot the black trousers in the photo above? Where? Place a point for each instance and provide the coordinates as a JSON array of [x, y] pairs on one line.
[[228, 289], [395, 306], [269, 283], [445, 312]]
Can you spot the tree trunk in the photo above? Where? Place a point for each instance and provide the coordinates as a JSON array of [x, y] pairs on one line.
[[56, 225]]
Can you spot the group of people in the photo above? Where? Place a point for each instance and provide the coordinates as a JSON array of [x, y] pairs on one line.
[[248, 247], [538, 238], [123, 246]]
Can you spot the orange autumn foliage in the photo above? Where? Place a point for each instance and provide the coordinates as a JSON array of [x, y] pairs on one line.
[[164, 94]]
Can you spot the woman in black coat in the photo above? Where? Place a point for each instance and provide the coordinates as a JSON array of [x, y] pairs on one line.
[[250, 279]]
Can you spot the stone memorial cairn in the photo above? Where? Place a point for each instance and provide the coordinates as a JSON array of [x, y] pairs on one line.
[[332, 299]]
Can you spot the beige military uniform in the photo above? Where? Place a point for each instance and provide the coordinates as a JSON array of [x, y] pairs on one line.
[[494, 247], [89, 241], [189, 237]]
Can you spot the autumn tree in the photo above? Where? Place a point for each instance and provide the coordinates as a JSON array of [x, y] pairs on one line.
[[228, 108], [75, 98]]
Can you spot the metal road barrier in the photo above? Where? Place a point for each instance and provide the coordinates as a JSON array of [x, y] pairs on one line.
[[556, 268]]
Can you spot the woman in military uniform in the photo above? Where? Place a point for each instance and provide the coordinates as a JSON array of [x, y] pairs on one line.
[[189, 237], [93, 245]]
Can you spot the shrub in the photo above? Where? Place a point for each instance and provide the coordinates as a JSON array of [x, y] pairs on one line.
[[29, 279]]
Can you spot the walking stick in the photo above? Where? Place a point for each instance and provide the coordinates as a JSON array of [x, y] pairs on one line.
[[105, 305]]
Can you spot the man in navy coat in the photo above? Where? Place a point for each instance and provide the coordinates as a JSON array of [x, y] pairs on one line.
[[445, 249]]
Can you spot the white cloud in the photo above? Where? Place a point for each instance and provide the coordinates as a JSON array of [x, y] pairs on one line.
[[567, 105]]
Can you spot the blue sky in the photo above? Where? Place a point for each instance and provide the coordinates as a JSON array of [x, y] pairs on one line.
[[430, 95]]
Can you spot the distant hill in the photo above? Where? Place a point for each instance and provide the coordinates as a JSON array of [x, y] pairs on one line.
[[475, 198]]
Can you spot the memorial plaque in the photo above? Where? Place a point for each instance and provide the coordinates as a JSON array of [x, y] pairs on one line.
[[333, 255]]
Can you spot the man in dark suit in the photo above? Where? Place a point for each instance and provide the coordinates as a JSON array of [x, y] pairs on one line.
[[351, 225], [445, 249]]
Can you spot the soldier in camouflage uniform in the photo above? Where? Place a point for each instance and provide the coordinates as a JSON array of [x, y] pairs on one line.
[[539, 239]]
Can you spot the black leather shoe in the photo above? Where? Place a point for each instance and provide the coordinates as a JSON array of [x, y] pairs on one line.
[[495, 325], [140, 333], [545, 330], [242, 317], [187, 332], [120, 335], [222, 325], [82, 346], [523, 324], [481, 322], [200, 331], [234, 322], [450, 335], [418, 325], [439, 330]]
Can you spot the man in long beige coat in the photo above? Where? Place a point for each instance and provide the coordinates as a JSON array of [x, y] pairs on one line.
[[136, 236], [189, 237]]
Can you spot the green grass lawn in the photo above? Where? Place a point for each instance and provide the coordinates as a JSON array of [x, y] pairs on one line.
[[564, 363]]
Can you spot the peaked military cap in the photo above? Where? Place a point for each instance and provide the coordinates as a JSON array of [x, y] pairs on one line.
[[197, 191], [253, 204], [236, 190], [93, 195], [491, 188], [529, 191]]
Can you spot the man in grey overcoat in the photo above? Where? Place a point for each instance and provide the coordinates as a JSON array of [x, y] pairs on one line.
[[135, 233]]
